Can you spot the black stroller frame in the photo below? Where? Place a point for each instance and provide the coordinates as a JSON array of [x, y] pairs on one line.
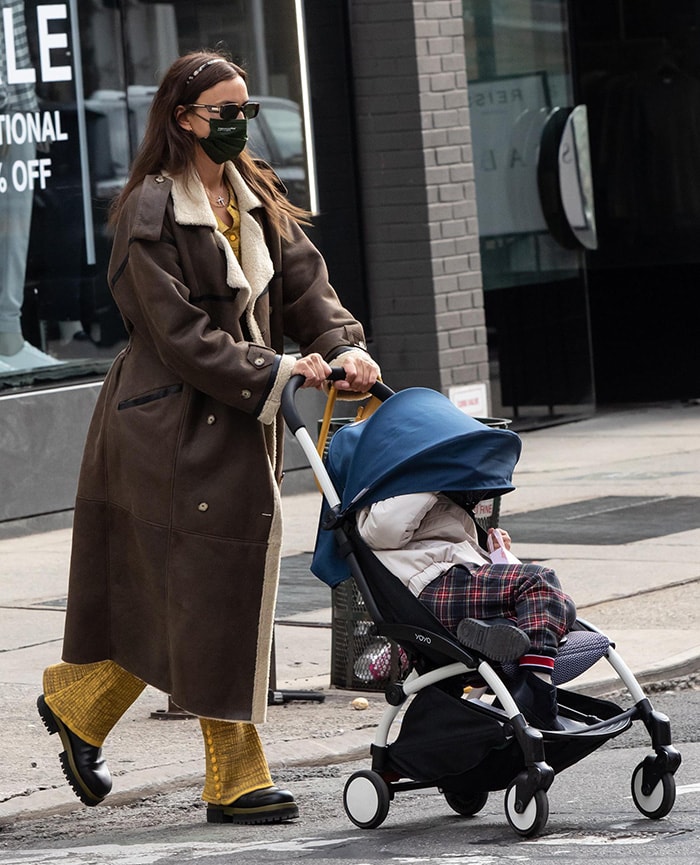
[[503, 751]]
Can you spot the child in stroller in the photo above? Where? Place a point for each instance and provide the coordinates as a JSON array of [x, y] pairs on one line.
[[430, 543]]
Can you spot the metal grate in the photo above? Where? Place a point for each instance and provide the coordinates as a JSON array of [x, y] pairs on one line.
[[606, 520]]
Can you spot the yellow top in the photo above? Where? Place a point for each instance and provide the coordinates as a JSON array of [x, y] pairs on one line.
[[232, 233]]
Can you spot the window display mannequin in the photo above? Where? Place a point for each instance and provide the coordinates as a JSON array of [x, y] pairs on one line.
[[15, 204]]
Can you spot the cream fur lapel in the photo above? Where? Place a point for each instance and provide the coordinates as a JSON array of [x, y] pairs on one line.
[[252, 277]]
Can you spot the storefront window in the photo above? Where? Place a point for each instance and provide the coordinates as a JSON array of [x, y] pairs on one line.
[[518, 72], [76, 83], [520, 88]]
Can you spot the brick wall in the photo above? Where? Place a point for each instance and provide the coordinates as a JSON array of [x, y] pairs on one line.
[[418, 196]]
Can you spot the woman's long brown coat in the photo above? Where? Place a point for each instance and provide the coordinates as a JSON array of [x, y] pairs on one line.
[[177, 532]]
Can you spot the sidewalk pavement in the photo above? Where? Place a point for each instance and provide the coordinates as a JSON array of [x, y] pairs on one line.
[[627, 465]]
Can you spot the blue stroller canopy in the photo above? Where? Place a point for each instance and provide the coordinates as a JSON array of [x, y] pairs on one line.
[[416, 441]]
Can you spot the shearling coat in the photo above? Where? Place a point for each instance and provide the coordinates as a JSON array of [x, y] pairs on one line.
[[177, 531]]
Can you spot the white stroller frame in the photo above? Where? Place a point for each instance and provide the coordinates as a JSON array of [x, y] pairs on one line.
[[368, 793]]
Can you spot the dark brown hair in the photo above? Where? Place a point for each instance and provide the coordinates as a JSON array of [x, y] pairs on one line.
[[166, 146]]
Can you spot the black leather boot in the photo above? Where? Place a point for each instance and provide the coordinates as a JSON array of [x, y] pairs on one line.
[[537, 700], [269, 805], [83, 764]]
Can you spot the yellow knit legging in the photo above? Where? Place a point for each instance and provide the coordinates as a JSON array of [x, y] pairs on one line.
[[236, 762], [91, 698]]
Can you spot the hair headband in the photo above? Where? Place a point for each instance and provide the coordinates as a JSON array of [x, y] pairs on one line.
[[201, 68]]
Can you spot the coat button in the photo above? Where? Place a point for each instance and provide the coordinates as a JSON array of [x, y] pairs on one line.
[[203, 506], [211, 419], [246, 394], [159, 178], [259, 361]]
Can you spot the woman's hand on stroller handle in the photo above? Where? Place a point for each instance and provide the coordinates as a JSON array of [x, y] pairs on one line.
[[313, 368], [298, 380], [356, 371], [361, 372]]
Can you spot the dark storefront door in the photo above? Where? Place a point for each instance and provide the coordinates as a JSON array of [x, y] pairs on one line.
[[638, 70], [521, 95]]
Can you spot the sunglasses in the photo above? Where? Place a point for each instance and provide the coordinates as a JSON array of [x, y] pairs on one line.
[[231, 110]]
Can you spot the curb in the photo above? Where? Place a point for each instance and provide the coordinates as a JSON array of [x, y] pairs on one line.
[[354, 744], [349, 746]]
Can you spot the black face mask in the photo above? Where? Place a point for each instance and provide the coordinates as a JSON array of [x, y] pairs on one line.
[[226, 139]]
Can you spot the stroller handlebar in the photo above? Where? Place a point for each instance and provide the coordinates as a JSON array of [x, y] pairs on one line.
[[290, 413]]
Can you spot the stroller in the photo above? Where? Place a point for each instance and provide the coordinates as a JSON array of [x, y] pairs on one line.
[[450, 736]]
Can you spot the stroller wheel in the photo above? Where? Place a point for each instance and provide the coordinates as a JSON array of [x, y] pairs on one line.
[[465, 805], [533, 819], [366, 799], [657, 802]]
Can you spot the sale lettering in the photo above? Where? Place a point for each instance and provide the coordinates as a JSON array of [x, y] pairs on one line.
[[48, 42]]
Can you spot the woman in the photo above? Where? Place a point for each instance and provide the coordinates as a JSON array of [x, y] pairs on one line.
[[176, 540]]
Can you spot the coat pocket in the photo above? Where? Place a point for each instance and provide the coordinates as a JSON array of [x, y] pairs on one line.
[[150, 396]]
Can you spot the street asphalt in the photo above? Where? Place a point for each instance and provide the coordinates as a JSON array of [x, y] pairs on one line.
[[612, 503]]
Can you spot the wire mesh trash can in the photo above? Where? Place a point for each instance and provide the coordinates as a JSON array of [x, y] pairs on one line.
[[361, 661], [488, 512]]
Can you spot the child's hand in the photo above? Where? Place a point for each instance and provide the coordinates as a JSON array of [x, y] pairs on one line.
[[494, 534]]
